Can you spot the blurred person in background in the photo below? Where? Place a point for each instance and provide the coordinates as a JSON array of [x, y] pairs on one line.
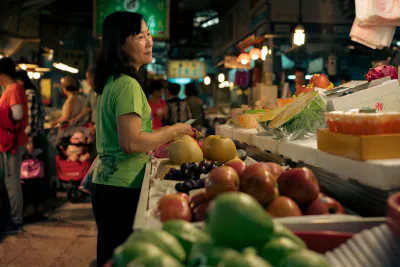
[[36, 139], [195, 104], [35, 107], [74, 104], [178, 110], [299, 81], [13, 108], [157, 104], [124, 128], [91, 101]]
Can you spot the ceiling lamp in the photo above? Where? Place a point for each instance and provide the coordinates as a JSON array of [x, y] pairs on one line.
[[207, 80], [221, 77], [255, 53], [299, 36], [264, 52], [243, 58]]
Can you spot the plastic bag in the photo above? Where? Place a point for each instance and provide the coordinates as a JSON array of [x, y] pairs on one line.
[[378, 13], [306, 117], [86, 183]]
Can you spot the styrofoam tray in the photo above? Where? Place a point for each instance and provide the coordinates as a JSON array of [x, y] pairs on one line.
[[380, 174], [244, 135]]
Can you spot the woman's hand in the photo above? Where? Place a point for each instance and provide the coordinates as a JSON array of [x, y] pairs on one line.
[[181, 129]]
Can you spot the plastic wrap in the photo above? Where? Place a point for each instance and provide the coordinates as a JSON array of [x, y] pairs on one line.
[[301, 119]]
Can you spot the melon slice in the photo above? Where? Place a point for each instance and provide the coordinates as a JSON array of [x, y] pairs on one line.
[[303, 115], [265, 119]]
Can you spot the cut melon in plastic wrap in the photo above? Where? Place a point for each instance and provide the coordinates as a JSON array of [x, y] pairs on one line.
[[301, 118], [265, 119]]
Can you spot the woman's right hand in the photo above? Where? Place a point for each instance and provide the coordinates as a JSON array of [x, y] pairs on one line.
[[181, 129]]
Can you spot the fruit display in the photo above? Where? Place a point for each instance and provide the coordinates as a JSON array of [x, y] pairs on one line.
[[238, 232], [359, 122], [381, 72], [282, 193], [184, 149], [218, 148], [300, 118]]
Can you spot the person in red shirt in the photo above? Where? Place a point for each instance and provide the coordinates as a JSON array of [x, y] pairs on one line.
[[158, 106], [13, 97]]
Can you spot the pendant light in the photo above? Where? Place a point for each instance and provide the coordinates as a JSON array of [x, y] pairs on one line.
[[255, 53], [243, 58]]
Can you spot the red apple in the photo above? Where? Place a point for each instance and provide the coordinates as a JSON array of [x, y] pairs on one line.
[[199, 212], [172, 207], [300, 184], [324, 205], [184, 196], [275, 169], [238, 165], [321, 81], [283, 207], [198, 199], [221, 180], [258, 182]]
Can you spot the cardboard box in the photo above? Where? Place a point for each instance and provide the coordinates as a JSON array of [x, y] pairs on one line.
[[365, 147], [383, 97]]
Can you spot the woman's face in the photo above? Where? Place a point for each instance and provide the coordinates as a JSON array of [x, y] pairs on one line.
[[139, 47]]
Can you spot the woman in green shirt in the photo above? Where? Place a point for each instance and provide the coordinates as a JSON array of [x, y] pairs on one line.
[[123, 128]]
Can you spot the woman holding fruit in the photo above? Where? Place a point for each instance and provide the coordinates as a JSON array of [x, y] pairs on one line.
[[123, 128]]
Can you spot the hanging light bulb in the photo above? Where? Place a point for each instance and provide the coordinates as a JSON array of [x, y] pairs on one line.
[[255, 53], [221, 77], [207, 80], [299, 36], [243, 58], [264, 52]]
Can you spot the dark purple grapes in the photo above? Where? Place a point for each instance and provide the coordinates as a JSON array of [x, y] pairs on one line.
[[203, 163], [168, 176], [195, 167], [172, 170], [185, 166], [177, 176], [178, 187], [201, 183], [203, 170], [193, 184], [187, 186]]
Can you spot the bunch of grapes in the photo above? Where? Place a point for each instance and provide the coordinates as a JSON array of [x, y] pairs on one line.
[[190, 173]]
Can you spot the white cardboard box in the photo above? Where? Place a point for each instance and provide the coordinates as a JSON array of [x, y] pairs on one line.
[[383, 97]]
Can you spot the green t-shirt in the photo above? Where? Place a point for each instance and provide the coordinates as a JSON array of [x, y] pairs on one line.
[[120, 96]]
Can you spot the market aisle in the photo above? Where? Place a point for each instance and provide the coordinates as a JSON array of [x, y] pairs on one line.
[[68, 239]]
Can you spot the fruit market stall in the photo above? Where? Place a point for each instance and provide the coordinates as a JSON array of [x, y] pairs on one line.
[[356, 158]]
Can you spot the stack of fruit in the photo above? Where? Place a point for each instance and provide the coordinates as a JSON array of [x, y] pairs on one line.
[[238, 232], [293, 192]]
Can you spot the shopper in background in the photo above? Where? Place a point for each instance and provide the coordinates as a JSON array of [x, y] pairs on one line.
[[74, 104], [13, 103], [195, 104], [35, 106], [158, 106], [300, 80], [178, 110], [91, 101], [123, 132]]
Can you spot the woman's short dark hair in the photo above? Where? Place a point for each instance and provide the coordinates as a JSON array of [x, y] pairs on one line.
[[23, 76], [155, 85], [112, 60], [174, 88], [7, 67], [191, 89], [72, 88]]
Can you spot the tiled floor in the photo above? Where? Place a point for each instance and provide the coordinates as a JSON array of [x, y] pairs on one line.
[[68, 239]]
